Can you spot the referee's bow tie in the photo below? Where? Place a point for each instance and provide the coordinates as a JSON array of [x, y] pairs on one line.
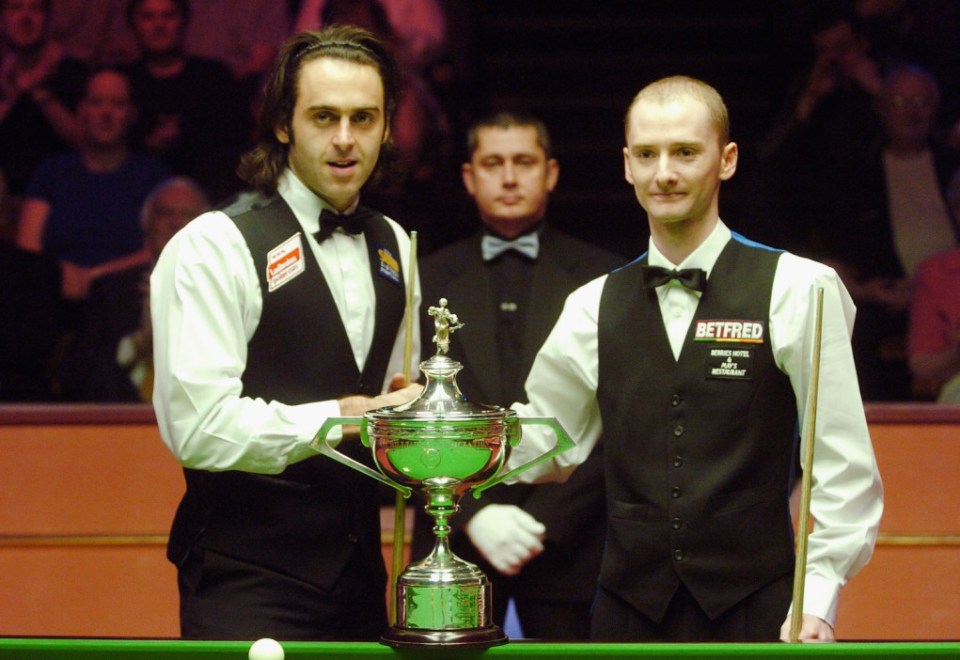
[[493, 246], [354, 223], [692, 278]]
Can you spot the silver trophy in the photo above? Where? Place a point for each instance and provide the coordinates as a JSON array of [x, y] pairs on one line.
[[443, 446]]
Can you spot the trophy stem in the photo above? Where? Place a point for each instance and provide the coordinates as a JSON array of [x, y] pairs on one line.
[[441, 504], [443, 600]]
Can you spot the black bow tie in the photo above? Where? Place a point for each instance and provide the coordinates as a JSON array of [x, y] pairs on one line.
[[354, 223], [692, 278]]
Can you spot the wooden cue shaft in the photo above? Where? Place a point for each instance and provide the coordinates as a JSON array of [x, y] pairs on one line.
[[399, 502], [803, 524]]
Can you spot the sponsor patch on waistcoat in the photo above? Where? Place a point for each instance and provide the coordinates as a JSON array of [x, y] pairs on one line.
[[730, 363], [285, 262], [729, 330], [389, 266]]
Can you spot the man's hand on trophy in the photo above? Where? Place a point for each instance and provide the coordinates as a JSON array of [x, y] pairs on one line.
[[357, 404], [507, 536]]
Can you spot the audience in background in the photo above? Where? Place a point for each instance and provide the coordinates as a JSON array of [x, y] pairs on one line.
[[420, 26], [890, 216], [94, 32], [81, 209], [181, 98], [243, 35], [39, 90], [110, 358], [187, 58], [168, 208], [827, 121], [920, 31], [934, 332]]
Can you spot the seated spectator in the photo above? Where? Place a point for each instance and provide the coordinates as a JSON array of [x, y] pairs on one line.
[[81, 208], [170, 206], [39, 91], [243, 35], [933, 341], [111, 357], [924, 33], [93, 32], [891, 216], [420, 26], [828, 117], [189, 114]]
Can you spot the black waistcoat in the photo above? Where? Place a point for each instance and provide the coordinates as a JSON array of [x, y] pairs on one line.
[[308, 520], [699, 451]]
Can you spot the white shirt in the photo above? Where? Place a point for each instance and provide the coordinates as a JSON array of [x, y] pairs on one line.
[[206, 304], [847, 495]]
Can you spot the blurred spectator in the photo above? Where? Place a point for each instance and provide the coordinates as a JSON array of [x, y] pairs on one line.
[[93, 32], [39, 90], [244, 35], [934, 332], [828, 118], [891, 215], [188, 105], [420, 27], [923, 32], [81, 208], [168, 208], [835, 93]]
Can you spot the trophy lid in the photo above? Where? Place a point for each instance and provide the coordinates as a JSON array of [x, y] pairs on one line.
[[441, 398]]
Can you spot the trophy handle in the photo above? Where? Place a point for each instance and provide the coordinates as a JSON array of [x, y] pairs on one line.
[[564, 442], [321, 443]]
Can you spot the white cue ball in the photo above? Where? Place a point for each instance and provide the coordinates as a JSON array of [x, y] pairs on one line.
[[266, 649]]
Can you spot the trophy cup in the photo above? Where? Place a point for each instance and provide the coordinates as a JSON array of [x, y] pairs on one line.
[[444, 446]]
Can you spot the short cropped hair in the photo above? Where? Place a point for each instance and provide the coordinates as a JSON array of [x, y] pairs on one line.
[[509, 119], [667, 89]]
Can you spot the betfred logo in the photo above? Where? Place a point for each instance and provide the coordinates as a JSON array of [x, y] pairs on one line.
[[746, 332]]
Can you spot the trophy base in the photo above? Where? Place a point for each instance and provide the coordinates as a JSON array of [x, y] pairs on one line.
[[470, 638]]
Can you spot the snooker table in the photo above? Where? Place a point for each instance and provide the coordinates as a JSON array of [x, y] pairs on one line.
[[22, 648]]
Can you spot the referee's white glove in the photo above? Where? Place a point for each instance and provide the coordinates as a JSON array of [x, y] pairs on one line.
[[507, 536]]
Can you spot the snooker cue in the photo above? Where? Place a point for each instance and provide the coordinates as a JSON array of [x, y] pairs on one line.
[[399, 502], [800, 570]]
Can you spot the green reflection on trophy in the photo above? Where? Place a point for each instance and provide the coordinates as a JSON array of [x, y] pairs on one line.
[[444, 446]]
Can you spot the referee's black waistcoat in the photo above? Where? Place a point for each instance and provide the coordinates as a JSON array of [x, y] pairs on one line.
[[307, 521], [699, 451]]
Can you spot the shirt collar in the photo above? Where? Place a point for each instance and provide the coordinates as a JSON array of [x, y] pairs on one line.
[[304, 203], [705, 256]]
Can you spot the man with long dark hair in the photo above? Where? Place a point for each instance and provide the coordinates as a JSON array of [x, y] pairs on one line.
[[267, 315]]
